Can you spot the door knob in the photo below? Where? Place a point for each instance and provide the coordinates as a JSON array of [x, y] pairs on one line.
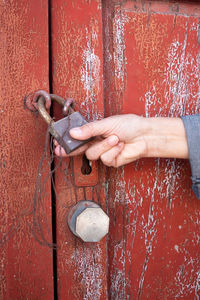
[[88, 221]]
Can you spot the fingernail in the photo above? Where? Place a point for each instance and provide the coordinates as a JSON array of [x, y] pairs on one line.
[[113, 140], [76, 131]]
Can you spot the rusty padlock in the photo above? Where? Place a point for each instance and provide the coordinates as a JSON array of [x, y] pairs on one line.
[[60, 129]]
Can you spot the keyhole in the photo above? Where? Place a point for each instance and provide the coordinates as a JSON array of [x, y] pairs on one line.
[[86, 168]]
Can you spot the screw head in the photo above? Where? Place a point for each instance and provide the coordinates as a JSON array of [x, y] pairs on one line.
[[92, 224]]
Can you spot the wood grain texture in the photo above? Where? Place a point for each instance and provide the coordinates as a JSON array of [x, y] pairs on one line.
[[25, 265], [77, 73], [152, 67]]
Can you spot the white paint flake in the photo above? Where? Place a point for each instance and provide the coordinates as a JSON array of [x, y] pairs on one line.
[[90, 70], [176, 247], [186, 284], [119, 279], [120, 61], [120, 188], [151, 99], [150, 232], [197, 285], [89, 271], [90, 76]]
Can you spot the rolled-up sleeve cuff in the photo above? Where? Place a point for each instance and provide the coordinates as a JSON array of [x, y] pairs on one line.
[[192, 128]]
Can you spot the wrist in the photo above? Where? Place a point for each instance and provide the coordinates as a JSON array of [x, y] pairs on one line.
[[165, 137]]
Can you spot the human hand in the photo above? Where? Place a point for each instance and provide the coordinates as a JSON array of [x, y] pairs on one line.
[[122, 139], [119, 140]]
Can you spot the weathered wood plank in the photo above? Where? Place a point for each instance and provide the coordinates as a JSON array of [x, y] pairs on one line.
[[26, 266], [152, 68], [77, 73]]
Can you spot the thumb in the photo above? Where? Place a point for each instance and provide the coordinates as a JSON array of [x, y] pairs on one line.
[[89, 130]]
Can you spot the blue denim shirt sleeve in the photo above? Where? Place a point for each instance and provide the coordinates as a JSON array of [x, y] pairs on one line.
[[192, 128]]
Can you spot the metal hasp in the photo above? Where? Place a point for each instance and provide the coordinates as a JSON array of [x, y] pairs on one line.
[[88, 221]]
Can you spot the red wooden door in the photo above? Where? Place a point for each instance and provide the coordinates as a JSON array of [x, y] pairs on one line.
[[112, 57]]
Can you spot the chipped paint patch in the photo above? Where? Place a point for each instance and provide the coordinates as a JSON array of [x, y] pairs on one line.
[[90, 70], [187, 285], [90, 76], [120, 187], [150, 100], [120, 60], [118, 283], [150, 231], [197, 285], [119, 280], [180, 93], [176, 247], [88, 271], [162, 74]]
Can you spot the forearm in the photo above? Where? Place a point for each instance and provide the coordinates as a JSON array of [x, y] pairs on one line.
[[166, 137]]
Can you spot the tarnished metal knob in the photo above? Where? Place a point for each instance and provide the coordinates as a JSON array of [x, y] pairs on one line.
[[88, 221]]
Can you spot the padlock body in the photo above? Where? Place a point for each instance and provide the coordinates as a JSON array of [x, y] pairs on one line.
[[62, 128]]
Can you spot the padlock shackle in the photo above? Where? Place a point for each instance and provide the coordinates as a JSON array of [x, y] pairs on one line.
[[42, 110], [58, 99], [31, 102], [66, 104], [46, 117]]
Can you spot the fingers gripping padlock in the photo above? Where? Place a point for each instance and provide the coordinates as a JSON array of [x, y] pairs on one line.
[[60, 129]]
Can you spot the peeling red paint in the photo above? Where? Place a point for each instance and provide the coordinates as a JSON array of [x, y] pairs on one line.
[[152, 250], [26, 270], [78, 68]]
